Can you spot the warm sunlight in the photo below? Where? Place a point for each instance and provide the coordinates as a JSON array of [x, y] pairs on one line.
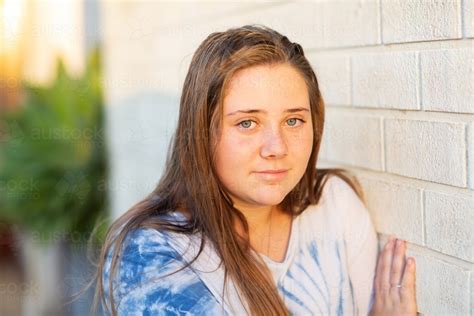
[[12, 13], [51, 29]]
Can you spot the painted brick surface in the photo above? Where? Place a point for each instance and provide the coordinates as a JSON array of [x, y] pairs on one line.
[[470, 155], [414, 20], [354, 140], [300, 21], [442, 288], [449, 224], [427, 150], [468, 18], [333, 75], [385, 80], [395, 208], [471, 276], [351, 23], [447, 80]]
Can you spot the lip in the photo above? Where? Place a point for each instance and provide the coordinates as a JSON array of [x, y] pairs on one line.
[[273, 171], [272, 175]]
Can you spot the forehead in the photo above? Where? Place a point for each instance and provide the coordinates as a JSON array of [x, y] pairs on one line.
[[268, 87]]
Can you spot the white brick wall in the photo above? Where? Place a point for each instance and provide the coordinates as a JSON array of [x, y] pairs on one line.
[[414, 20], [350, 23], [442, 287], [448, 224], [447, 79], [353, 140], [470, 155], [387, 80], [427, 150], [336, 87], [397, 77], [421, 87], [468, 12], [395, 208]]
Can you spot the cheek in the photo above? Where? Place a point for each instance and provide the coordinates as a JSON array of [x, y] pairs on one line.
[[234, 151], [302, 139], [301, 149]]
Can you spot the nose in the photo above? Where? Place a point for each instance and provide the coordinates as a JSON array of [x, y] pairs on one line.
[[274, 144]]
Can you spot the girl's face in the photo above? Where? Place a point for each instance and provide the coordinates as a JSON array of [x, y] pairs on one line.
[[266, 135]]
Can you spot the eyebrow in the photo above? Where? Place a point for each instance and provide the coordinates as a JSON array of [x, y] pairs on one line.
[[294, 110]]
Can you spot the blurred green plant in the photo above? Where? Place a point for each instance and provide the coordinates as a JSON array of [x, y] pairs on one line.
[[53, 157]]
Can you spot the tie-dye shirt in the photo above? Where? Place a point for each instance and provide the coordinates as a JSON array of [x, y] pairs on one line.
[[328, 269]]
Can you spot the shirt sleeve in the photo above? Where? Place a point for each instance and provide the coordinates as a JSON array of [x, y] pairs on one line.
[[361, 245], [141, 285]]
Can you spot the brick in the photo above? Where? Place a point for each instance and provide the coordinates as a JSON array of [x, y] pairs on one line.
[[395, 208], [351, 23], [447, 80], [301, 22], [441, 288], [414, 20], [468, 15], [470, 155], [333, 75], [427, 150], [354, 140], [449, 221], [472, 291], [385, 80]]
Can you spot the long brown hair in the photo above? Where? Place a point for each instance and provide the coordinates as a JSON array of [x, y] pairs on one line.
[[189, 182]]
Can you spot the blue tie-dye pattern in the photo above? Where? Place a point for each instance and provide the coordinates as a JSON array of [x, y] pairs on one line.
[[291, 277], [139, 288], [148, 255], [340, 308], [293, 297], [326, 299], [313, 250], [314, 254], [354, 308]]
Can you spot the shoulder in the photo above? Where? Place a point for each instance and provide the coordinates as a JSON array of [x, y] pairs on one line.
[[337, 187], [140, 254], [338, 209], [151, 277], [337, 194]]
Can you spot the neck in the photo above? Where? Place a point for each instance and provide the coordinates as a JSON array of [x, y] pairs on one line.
[[258, 218]]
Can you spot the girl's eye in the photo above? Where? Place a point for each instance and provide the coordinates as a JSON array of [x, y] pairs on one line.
[[294, 121], [246, 124]]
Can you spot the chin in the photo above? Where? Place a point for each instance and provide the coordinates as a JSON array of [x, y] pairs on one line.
[[270, 198]]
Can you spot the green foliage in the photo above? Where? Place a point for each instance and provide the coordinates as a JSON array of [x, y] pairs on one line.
[[53, 156]]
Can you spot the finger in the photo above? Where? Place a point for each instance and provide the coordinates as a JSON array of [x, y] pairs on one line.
[[408, 290], [398, 262], [378, 272], [386, 265], [378, 269]]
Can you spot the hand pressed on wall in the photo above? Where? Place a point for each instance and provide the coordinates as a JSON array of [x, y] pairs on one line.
[[395, 288]]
